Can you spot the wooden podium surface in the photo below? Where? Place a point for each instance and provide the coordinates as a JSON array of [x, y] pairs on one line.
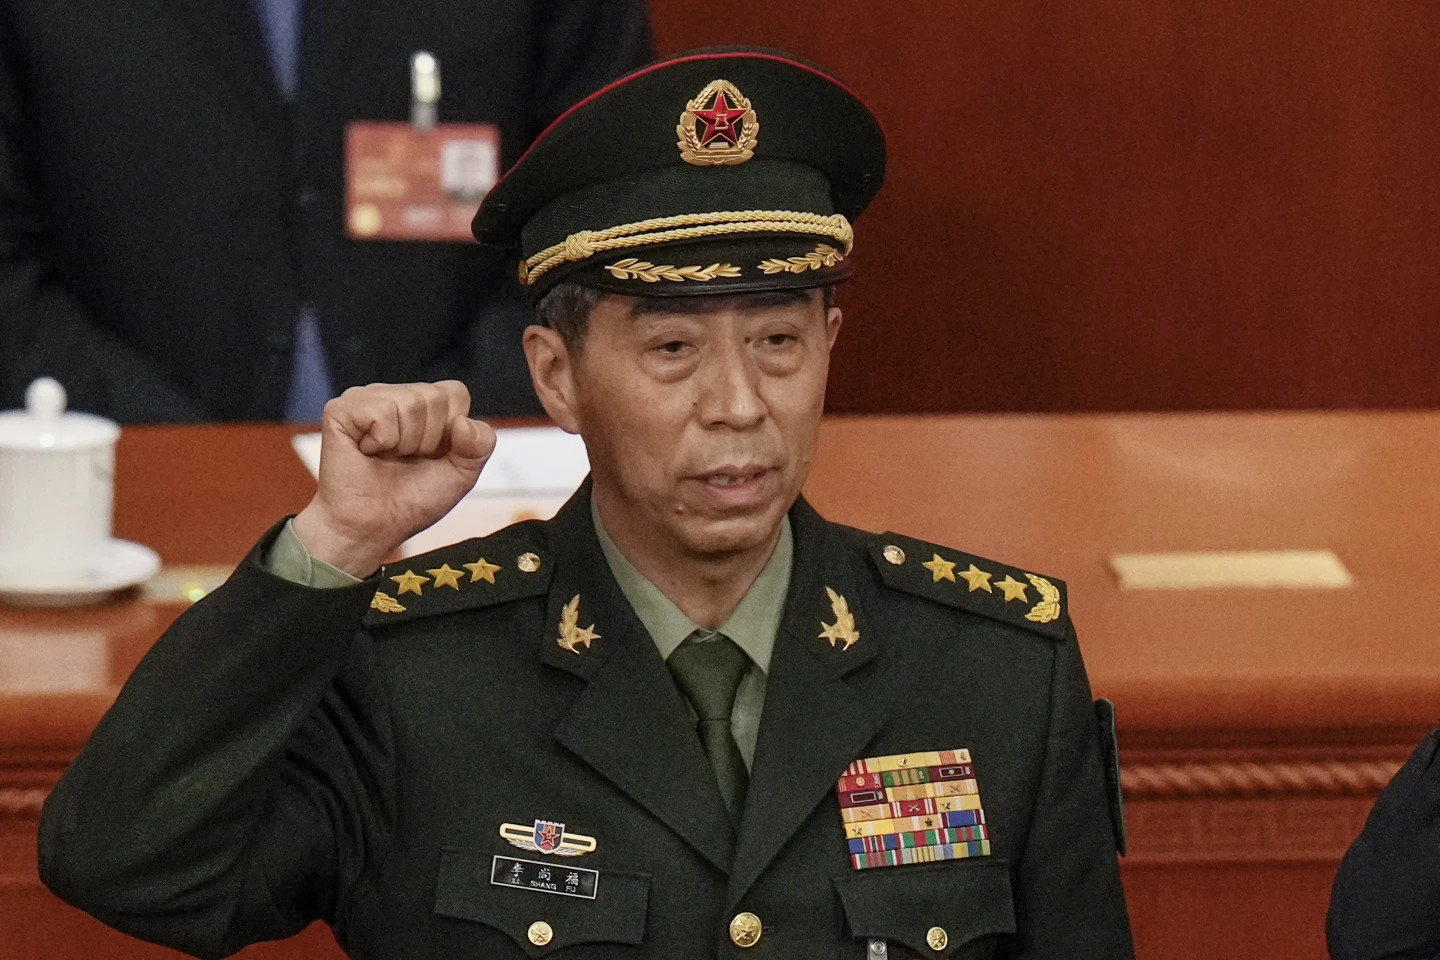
[[1256, 723]]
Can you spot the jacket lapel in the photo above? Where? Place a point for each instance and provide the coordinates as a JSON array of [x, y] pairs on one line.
[[815, 722], [630, 723]]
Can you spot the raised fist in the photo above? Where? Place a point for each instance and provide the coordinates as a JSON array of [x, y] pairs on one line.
[[394, 458]]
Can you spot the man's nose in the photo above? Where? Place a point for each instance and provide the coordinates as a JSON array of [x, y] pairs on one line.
[[730, 396]]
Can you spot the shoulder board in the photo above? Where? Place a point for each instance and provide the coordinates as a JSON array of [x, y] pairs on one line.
[[506, 566], [973, 584]]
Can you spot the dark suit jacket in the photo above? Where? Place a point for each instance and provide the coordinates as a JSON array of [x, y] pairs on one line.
[[1386, 901], [164, 212], [284, 754]]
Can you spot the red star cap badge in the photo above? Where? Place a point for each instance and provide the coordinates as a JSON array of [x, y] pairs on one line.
[[720, 120]]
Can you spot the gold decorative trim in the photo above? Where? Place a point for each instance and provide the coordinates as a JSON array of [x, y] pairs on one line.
[[822, 256], [386, 603], [694, 152], [632, 269], [584, 244], [1049, 606]]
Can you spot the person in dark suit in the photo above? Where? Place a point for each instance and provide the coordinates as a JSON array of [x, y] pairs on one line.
[[172, 196], [687, 717], [1385, 904]]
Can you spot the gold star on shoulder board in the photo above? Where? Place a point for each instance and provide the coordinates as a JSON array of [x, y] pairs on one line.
[[978, 579], [572, 635], [1014, 589], [410, 582], [445, 577], [843, 629], [481, 570], [940, 569]]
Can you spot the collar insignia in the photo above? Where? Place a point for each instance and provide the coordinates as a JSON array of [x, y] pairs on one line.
[[843, 629], [572, 635]]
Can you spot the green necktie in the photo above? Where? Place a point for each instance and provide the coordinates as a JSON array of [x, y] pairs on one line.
[[708, 668]]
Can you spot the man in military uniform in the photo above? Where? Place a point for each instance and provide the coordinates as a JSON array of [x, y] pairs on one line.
[[1385, 904], [685, 718]]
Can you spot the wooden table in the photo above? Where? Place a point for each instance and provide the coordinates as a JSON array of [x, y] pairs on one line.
[[1256, 724]]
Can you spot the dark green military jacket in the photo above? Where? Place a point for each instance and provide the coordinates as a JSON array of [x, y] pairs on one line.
[[383, 756]]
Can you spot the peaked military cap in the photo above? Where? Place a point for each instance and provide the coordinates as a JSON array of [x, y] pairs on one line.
[[715, 171]]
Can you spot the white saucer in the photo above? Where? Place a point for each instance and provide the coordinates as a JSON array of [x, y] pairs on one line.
[[118, 564]]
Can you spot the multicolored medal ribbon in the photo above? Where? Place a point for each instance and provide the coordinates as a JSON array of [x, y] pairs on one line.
[[912, 808]]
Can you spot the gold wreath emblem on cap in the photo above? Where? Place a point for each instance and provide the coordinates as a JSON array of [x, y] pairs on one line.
[[718, 127]]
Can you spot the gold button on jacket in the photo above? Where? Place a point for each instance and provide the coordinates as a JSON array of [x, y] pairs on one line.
[[937, 938], [745, 930], [540, 933]]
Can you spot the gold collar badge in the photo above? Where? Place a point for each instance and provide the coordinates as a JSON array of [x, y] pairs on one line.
[[571, 634], [843, 629], [718, 127]]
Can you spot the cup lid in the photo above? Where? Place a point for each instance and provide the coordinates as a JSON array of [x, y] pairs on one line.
[[44, 424]]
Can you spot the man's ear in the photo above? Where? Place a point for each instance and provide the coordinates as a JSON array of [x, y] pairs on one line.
[[552, 371], [832, 325]]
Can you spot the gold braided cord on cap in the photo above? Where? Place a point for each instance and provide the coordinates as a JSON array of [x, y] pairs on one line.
[[687, 226]]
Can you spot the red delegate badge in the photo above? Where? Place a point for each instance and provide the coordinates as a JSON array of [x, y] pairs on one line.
[[403, 183]]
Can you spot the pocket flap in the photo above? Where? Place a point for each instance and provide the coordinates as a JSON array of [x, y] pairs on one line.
[[616, 914], [966, 899]]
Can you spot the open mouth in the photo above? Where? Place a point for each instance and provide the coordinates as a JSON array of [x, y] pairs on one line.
[[737, 487], [734, 478]]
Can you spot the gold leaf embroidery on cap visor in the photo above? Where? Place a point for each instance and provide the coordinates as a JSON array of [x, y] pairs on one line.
[[822, 256], [632, 269]]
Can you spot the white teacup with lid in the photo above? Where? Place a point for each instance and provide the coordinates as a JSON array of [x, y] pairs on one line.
[[57, 473]]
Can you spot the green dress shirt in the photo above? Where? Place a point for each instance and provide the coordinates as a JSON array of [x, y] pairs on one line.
[[753, 625]]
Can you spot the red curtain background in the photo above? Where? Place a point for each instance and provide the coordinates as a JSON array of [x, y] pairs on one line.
[[1131, 204]]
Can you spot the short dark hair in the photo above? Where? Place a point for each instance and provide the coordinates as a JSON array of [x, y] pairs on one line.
[[565, 308]]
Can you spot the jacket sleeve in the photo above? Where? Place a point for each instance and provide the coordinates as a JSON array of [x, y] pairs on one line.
[[1386, 898], [243, 780], [1068, 898], [46, 332]]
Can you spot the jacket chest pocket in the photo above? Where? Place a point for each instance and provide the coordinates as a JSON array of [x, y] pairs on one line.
[[539, 923], [956, 909]]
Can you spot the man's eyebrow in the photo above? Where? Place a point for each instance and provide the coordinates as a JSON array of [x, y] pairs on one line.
[[649, 306]]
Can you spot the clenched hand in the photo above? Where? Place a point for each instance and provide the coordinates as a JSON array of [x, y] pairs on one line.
[[394, 458]]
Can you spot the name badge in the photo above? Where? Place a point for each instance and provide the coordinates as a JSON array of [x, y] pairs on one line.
[[562, 879], [409, 183]]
